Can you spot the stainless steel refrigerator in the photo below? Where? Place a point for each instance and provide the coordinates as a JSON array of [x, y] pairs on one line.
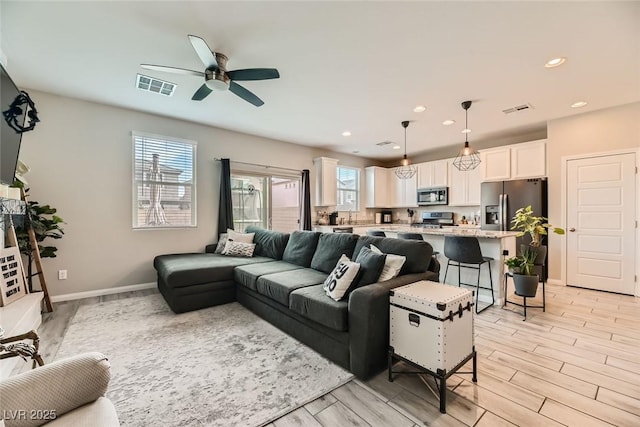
[[501, 199]]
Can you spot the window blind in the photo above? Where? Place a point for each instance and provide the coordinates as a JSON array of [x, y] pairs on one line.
[[164, 187]]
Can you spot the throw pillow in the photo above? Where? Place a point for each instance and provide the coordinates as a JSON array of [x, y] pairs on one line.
[[392, 265], [341, 278], [240, 237], [371, 265], [233, 248], [221, 242]]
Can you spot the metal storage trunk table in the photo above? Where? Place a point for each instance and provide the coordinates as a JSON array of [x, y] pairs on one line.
[[431, 329]]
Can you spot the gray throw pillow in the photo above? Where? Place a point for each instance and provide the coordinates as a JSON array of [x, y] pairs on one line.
[[331, 246], [371, 266], [301, 246]]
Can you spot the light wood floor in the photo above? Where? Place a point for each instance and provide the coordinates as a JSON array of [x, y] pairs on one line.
[[576, 364]]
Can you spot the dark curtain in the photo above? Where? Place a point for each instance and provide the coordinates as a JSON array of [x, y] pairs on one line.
[[225, 214], [305, 211]]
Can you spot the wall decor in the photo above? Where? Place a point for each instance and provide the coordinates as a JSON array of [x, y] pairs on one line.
[[12, 283]]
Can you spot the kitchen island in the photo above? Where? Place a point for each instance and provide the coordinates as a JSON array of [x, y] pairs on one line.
[[498, 245]]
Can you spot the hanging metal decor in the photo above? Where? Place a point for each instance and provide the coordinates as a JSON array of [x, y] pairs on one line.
[[467, 159], [16, 110], [406, 170]]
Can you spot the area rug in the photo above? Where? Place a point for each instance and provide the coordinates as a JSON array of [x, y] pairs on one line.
[[218, 366]]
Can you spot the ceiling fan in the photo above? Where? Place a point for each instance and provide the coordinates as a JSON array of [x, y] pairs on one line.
[[216, 76]]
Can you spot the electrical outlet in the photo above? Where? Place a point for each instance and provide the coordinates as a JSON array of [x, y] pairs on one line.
[[62, 274]]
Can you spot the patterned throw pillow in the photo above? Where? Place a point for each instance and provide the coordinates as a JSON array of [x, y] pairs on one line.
[[340, 279], [392, 265], [241, 249], [222, 241]]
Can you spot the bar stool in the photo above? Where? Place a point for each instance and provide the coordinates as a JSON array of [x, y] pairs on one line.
[[416, 236], [466, 250], [376, 233], [539, 268]]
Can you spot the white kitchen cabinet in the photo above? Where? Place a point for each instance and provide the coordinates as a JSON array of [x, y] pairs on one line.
[[464, 186], [326, 178], [377, 187], [529, 160], [403, 192], [495, 164], [432, 174], [517, 161]]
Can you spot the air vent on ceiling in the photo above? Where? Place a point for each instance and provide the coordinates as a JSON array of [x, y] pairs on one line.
[[518, 108], [151, 84], [383, 143]]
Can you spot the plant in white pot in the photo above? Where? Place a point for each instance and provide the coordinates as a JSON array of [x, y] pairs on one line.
[[525, 222]]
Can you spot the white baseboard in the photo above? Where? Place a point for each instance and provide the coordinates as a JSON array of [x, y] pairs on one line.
[[557, 282], [100, 292]]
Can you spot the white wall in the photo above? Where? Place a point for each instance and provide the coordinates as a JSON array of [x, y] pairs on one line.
[[80, 159], [598, 131]]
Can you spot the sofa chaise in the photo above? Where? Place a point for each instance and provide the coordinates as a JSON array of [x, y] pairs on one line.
[[283, 284]]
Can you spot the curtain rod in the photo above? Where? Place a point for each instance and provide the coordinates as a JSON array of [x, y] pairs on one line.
[[259, 165]]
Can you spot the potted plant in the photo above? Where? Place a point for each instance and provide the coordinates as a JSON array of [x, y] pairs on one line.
[[525, 222], [514, 264]]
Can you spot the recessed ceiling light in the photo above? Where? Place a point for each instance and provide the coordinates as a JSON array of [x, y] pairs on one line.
[[579, 104], [419, 108], [555, 62], [466, 130], [448, 122], [346, 133], [355, 151], [396, 147]]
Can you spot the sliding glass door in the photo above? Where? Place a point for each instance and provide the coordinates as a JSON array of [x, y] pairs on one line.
[[266, 201]]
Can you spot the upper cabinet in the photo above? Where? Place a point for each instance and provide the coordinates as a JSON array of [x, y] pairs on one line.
[[464, 186], [326, 177], [432, 174], [529, 160], [377, 191], [526, 160], [495, 164], [403, 192]]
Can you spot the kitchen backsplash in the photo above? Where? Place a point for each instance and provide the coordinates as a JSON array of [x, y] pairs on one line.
[[401, 216]]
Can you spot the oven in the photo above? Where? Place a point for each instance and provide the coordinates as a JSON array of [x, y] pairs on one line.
[[435, 220]]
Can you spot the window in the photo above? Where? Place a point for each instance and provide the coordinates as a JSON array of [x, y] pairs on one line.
[[348, 189], [164, 186], [267, 201]]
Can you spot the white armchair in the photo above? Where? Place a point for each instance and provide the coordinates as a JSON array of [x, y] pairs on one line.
[[68, 392]]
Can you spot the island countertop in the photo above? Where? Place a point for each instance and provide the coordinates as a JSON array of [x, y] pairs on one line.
[[449, 231]]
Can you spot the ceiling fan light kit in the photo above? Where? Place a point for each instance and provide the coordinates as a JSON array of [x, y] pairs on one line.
[[216, 76], [467, 159], [406, 170]]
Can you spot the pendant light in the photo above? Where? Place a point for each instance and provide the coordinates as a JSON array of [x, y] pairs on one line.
[[406, 170], [467, 159]]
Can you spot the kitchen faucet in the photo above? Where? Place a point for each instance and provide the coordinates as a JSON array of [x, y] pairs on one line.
[[349, 216]]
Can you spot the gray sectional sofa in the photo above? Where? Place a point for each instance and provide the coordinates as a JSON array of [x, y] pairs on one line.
[[282, 283]]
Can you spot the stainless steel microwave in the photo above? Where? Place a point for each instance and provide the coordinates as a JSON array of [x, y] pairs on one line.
[[433, 196]]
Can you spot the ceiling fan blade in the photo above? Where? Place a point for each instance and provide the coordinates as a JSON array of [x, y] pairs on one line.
[[254, 74], [245, 94], [201, 93], [204, 53], [172, 70]]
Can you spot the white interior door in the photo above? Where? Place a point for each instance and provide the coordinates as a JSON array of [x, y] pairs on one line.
[[601, 202]]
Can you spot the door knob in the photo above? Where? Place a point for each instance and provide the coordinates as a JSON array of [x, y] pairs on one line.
[[572, 229]]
